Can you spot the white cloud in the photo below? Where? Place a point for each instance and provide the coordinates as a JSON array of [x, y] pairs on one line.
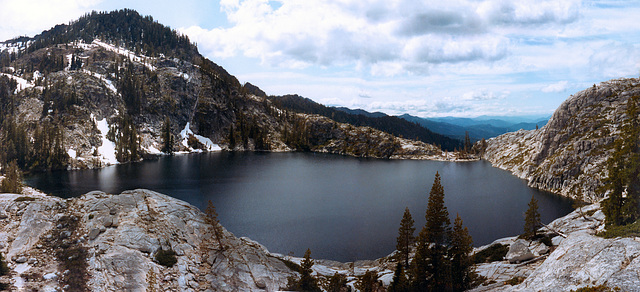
[[412, 35], [560, 86], [484, 94], [30, 17]]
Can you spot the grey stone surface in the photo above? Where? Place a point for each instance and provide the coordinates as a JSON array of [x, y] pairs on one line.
[[519, 251]]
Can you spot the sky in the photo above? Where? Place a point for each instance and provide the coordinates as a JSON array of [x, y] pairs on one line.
[[462, 58]]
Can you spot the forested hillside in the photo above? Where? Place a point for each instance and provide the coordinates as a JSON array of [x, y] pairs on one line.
[[389, 124], [117, 87]]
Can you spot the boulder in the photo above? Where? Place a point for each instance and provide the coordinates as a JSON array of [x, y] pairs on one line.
[[519, 251]]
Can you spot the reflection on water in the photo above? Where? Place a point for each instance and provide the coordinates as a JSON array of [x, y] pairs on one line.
[[342, 208]]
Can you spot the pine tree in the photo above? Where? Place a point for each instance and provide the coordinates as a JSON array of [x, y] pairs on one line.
[[307, 281], [532, 219], [431, 269], [405, 238], [12, 182], [400, 283], [461, 265], [368, 282], [337, 283], [167, 137], [211, 218]]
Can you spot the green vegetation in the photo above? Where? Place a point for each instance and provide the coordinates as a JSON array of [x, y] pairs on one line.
[[306, 282], [390, 124], [125, 136], [515, 280], [12, 182], [144, 35], [167, 137], [368, 282], [622, 207], [337, 283], [599, 288], [211, 218], [4, 269], [166, 258], [70, 254], [24, 199], [532, 219], [442, 261], [629, 230], [405, 238], [493, 253]]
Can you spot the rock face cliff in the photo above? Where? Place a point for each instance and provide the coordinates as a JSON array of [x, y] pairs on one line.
[[581, 259], [568, 155]]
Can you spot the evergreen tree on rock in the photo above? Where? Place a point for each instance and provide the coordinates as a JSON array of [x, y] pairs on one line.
[[462, 273], [405, 237], [431, 268], [532, 219]]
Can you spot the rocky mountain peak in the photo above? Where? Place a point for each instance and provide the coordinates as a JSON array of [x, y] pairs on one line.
[[568, 155]]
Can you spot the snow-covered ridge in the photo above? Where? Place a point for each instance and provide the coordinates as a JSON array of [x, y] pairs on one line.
[[144, 60]]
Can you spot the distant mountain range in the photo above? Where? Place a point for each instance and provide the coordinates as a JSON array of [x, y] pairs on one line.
[[478, 128]]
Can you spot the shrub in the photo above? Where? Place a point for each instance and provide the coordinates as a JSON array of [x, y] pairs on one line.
[[24, 199], [4, 269], [493, 253], [628, 230], [515, 281], [166, 258], [599, 288], [12, 182]]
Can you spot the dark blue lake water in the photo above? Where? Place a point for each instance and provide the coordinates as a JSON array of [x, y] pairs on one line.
[[342, 208]]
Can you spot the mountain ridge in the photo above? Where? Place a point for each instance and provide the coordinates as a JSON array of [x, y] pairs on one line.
[[75, 76], [568, 156]]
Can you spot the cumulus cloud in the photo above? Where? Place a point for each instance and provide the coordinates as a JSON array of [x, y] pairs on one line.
[[20, 17], [414, 36], [483, 94], [560, 86]]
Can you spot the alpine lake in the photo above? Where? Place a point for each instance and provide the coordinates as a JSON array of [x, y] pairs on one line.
[[342, 208]]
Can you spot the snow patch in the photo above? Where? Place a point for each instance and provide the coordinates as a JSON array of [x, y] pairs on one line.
[[22, 83], [69, 60], [108, 149], [124, 52], [104, 79], [72, 153], [208, 144]]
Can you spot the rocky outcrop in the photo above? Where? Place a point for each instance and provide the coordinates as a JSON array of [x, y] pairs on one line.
[[568, 155], [519, 252], [121, 233], [578, 259], [118, 236]]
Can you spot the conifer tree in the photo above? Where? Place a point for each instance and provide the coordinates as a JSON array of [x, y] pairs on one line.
[[400, 283], [459, 250], [431, 269], [624, 172], [405, 238], [337, 283], [307, 281], [532, 219], [12, 182], [167, 137], [211, 218]]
